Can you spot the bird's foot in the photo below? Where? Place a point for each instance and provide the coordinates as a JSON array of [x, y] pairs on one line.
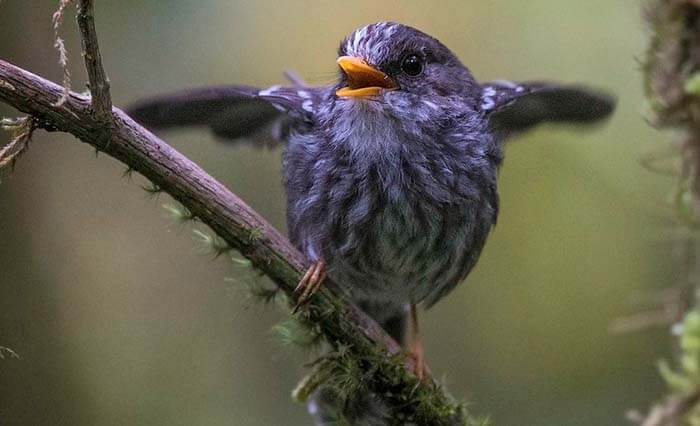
[[310, 283], [415, 347], [417, 354]]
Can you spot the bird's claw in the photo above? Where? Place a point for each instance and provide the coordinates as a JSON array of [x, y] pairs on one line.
[[420, 367], [415, 348], [310, 283]]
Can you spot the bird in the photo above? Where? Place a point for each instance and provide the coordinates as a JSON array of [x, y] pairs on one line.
[[391, 172]]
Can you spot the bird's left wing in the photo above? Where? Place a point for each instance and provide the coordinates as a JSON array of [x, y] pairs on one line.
[[231, 112], [513, 107]]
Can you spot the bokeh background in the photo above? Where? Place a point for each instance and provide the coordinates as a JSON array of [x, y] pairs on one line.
[[119, 319]]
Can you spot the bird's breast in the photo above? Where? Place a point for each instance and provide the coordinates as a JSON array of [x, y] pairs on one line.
[[395, 217], [400, 228]]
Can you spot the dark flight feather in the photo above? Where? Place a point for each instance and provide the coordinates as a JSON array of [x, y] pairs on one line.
[[516, 107], [231, 112]]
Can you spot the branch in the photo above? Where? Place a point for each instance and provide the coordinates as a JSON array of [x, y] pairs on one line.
[[99, 83], [672, 86], [10, 353], [139, 149], [672, 411], [341, 323]]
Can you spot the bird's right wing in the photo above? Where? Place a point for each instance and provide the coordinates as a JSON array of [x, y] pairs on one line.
[[231, 112]]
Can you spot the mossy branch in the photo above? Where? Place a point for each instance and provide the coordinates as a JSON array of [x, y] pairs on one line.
[[672, 84], [343, 325]]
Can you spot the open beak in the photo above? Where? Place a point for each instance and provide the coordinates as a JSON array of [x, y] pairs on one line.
[[363, 79]]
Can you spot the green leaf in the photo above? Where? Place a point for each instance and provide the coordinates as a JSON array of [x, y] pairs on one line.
[[692, 84]]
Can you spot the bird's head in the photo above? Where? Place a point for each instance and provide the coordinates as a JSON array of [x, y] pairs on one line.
[[390, 60]]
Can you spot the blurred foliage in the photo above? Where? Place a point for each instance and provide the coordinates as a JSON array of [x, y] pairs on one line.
[[686, 379]]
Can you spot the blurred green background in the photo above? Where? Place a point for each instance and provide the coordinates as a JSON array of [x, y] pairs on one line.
[[118, 319]]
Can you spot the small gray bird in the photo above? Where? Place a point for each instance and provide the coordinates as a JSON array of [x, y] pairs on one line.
[[391, 173]]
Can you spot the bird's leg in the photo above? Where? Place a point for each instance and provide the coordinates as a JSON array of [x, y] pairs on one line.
[[310, 283], [415, 346]]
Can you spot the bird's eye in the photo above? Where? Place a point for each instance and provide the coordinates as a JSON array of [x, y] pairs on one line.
[[412, 65]]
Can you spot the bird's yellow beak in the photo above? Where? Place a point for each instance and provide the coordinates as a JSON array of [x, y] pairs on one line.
[[363, 79]]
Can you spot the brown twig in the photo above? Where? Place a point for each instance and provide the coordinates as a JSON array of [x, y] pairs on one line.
[[135, 146], [10, 353], [672, 411], [98, 81]]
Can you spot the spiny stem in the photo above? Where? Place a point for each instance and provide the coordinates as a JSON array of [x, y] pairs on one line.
[[99, 83]]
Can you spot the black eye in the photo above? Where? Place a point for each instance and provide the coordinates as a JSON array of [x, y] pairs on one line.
[[412, 65]]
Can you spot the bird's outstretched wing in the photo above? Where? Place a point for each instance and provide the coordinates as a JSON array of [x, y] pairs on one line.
[[515, 107], [231, 112]]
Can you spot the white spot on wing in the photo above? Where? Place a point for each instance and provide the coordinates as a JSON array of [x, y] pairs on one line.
[[269, 91], [278, 107], [506, 83], [487, 101], [487, 104], [510, 85], [307, 106]]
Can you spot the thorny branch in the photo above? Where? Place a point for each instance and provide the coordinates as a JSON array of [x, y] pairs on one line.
[[99, 83], [671, 411]]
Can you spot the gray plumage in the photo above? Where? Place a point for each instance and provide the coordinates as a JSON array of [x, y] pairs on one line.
[[397, 192]]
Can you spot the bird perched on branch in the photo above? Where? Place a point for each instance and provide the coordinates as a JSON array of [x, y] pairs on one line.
[[391, 172]]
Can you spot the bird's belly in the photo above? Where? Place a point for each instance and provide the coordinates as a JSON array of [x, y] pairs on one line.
[[402, 255]]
